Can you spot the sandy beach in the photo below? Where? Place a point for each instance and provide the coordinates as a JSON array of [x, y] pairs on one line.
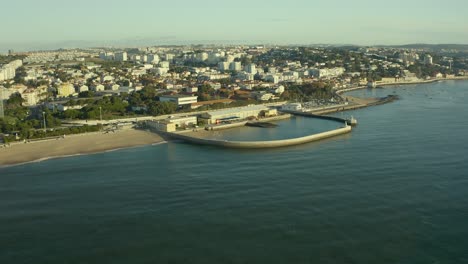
[[76, 144]]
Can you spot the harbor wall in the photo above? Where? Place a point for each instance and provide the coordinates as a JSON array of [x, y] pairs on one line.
[[239, 124], [309, 114], [262, 144]]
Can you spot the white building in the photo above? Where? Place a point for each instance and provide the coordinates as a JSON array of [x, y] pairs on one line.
[[191, 89], [251, 68], [262, 96], [164, 64], [244, 76], [106, 56], [107, 78], [327, 73], [65, 90], [235, 66], [279, 89], [121, 56], [98, 88], [162, 125], [230, 114], [292, 107], [409, 58], [169, 57], [202, 56], [153, 58], [114, 87], [230, 58], [223, 66], [184, 121], [428, 59], [160, 70], [83, 88], [179, 99], [30, 97], [272, 78], [8, 71]]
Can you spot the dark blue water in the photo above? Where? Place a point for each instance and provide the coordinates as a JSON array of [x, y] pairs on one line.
[[395, 190]]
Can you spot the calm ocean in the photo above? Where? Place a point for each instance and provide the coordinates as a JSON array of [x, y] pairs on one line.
[[395, 190]]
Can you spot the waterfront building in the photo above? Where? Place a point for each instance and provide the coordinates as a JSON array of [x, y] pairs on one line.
[[232, 114], [184, 121], [161, 125]]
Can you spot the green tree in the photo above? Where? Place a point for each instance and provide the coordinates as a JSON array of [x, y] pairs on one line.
[[161, 108]]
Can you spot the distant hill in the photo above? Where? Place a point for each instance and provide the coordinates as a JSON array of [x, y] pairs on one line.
[[433, 47]]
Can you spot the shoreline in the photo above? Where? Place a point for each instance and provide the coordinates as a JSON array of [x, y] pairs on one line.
[[368, 102], [98, 142], [76, 145]]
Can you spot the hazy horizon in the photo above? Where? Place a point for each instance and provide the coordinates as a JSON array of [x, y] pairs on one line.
[[52, 24]]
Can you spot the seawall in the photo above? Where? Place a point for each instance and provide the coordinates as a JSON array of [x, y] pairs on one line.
[[261, 144], [239, 124]]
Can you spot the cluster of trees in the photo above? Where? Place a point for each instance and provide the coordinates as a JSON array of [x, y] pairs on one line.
[[40, 133], [146, 101], [424, 70], [305, 92], [7, 59], [107, 107], [19, 120]]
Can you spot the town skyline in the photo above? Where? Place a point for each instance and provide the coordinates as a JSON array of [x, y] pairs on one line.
[[55, 24]]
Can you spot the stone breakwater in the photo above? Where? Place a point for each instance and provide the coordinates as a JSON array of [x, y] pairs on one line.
[[260, 144]]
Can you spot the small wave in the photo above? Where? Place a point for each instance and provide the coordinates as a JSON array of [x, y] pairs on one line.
[[41, 160], [159, 143]]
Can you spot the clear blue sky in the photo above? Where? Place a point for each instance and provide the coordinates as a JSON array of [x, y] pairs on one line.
[[33, 23]]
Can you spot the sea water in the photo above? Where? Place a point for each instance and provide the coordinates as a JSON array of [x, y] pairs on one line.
[[394, 190]]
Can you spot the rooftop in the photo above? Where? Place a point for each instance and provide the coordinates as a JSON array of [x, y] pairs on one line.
[[177, 96], [233, 111]]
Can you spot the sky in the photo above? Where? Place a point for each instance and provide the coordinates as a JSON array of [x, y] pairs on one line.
[[49, 24]]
